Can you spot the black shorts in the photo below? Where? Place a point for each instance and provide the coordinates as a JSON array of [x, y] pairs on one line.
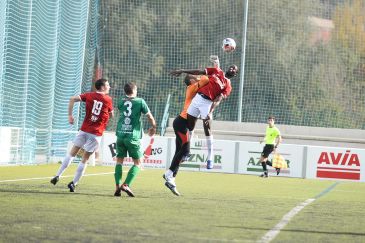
[[267, 150]]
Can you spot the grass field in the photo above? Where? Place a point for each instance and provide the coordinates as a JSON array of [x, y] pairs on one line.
[[213, 208]]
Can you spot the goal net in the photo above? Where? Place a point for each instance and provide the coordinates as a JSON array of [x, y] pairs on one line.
[[304, 60], [301, 61]]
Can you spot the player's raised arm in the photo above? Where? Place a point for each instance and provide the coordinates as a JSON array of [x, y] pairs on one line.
[[73, 99], [215, 60], [151, 120], [177, 72]]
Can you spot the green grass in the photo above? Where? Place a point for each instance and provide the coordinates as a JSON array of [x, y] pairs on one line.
[[213, 208]]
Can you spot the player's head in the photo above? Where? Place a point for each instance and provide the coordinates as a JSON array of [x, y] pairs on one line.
[[190, 79], [231, 71], [130, 89], [271, 120], [102, 85]]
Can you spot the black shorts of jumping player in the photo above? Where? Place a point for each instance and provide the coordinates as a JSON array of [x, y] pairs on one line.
[[267, 150]]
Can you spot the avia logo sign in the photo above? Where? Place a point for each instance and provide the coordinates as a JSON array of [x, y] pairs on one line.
[[338, 165]]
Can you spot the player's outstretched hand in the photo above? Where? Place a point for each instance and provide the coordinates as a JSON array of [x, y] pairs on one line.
[[151, 131], [176, 72], [210, 116], [71, 119], [215, 60]]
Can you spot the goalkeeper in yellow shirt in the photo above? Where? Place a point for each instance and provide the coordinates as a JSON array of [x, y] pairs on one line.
[[272, 140]]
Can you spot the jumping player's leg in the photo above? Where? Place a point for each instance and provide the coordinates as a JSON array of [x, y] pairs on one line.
[[199, 107], [191, 122], [177, 160], [182, 140], [194, 111], [181, 132], [209, 137]]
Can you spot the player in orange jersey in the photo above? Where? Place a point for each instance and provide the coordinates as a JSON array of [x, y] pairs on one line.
[[209, 96], [180, 126]]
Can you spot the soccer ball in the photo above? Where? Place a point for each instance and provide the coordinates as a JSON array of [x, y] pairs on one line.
[[228, 45]]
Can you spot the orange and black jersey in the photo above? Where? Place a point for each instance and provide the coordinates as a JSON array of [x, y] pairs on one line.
[[191, 91]]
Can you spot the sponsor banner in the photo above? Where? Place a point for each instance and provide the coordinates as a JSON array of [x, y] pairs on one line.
[[223, 156], [335, 163], [155, 151], [250, 153]]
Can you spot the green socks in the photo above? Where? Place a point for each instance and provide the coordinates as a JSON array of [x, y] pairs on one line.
[[132, 173], [118, 174]]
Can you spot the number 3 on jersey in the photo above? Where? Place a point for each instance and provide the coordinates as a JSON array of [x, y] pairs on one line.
[[97, 107], [128, 105]]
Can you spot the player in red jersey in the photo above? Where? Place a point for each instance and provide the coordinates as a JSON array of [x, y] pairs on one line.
[[99, 107], [208, 97]]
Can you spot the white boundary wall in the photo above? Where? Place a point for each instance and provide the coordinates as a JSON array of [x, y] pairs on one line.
[[242, 157], [5, 145]]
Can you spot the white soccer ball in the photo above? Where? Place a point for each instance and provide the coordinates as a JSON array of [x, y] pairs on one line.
[[228, 45]]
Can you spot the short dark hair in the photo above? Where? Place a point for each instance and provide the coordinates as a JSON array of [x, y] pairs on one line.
[[271, 117], [231, 73], [100, 83], [128, 88], [187, 79]]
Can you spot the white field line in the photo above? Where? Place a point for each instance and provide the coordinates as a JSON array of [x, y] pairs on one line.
[[42, 178], [271, 234]]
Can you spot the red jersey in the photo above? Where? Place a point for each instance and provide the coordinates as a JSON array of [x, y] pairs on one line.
[[98, 107], [218, 84]]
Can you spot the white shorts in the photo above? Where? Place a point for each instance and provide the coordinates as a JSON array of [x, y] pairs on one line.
[[199, 107], [89, 142]]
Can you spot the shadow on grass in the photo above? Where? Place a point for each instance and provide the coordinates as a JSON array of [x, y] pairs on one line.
[[294, 230], [29, 191], [53, 192]]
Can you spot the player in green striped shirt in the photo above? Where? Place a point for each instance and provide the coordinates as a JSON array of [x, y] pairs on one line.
[[272, 140], [129, 133]]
